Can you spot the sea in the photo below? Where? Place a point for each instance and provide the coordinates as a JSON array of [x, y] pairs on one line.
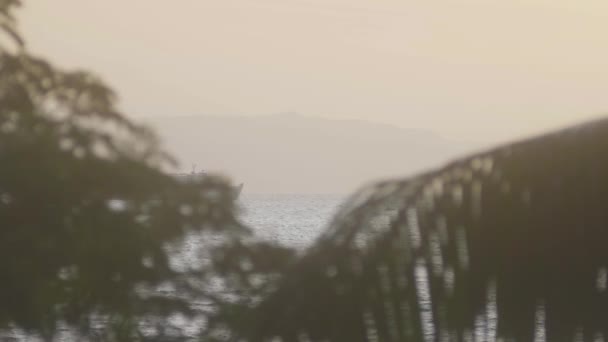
[[293, 220]]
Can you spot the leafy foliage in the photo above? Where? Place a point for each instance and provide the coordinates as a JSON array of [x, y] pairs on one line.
[[507, 244], [92, 233]]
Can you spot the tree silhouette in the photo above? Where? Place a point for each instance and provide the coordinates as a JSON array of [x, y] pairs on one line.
[[509, 244], [94, 237]]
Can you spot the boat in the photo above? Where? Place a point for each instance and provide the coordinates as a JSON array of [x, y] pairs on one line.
[[194, 176], [236, 191]]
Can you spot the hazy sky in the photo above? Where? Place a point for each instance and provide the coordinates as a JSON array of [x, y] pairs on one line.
[[469, 69]]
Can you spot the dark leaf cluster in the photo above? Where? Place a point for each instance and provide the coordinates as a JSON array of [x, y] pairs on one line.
[[95, 239], [509, 244]]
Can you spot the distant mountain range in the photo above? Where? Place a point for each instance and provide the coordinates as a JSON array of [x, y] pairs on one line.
[[293, 153]]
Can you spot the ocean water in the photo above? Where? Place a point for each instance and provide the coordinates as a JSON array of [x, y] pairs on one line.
[[293, 220]]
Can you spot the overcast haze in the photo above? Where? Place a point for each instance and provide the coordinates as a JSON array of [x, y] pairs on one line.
[[482, 70], [294, 153], [467, 71]]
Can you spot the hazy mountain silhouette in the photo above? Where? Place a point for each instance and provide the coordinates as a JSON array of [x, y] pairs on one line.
[[293, 153]]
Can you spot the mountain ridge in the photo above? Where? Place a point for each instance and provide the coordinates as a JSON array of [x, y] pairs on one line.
[[295, 153]]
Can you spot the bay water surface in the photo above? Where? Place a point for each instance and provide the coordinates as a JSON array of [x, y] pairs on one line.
[[293, 220]]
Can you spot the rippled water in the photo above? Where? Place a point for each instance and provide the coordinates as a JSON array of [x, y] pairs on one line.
[[290, 219], [293, 220]]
